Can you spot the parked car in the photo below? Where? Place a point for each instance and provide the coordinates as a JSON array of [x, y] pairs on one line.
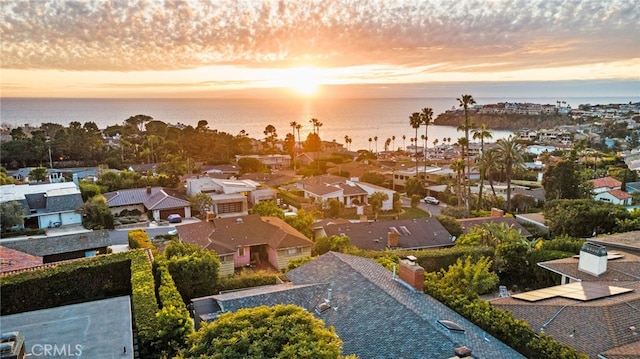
[[174, 218], [431, 200]]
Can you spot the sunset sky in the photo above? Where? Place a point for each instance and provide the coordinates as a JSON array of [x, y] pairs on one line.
[[245, 48]]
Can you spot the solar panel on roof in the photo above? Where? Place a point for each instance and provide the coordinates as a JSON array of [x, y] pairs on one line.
[[583, 291]]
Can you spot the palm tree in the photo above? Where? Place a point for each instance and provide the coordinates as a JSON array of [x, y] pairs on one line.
[[458, 166], [393, 140], [386, 144], [415, 121], [509, 153], [370, 143], [298, 127], [346, 141], [427, 120], [465, 101], [404, 137], [481, 133], [293, 125], [375, 138]]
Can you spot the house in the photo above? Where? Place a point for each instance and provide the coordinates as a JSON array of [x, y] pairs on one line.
[[536, 219], [62, 247], [627, 242], [13, 260], [350, 193], [46, 205], [230, 197], [608, 189], [595, 309], [161, 202], [376, 313], [420, 233], [249, 240]]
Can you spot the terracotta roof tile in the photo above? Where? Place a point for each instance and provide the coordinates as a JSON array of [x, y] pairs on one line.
[[11, 260], [608, 182]]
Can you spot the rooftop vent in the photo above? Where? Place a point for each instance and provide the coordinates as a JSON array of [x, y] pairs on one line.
[[462, 352], [239, 220], [593, 259]]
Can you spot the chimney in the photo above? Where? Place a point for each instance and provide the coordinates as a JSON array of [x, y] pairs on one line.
[[412, 273], [148, 189], [363, 219], [495, 212], [210, 216], [392, 239], [462, 352], [593, 259]]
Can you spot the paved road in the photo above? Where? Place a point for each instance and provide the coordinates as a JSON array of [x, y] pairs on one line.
[[431, 208]]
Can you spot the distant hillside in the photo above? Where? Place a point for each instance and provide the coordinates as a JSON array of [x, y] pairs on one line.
[[504, 121]]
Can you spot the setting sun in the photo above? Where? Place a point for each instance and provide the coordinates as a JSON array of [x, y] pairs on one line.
[[302, 80]]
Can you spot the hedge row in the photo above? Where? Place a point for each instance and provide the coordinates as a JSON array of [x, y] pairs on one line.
[[246, 279], [173, 317], [138, 238], [67, 283], [432, 260], [145, 306]]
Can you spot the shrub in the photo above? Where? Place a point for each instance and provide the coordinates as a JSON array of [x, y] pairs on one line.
[[143, 300], [138, 238], [246, 279]]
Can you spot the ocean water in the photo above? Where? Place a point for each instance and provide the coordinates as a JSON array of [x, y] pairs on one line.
[[360, 119]]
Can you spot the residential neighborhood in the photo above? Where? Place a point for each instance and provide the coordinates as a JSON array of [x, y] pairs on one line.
[[442, 251]]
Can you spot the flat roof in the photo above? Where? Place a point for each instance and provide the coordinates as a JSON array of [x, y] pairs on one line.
[[97, 329]]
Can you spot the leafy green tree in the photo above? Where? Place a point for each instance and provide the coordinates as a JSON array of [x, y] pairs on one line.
[[313, 143], [415, 200], [96, 214], [38, 174], [194, 269], [335, 208], [414, 186], [89, 189], [302, 221], [583, 217], [267, 208], [333, 243], [5, 178], [563, 180], [375, 200], [281, 331], [11, 215], [250, 165], [475, 276], [202, 202]]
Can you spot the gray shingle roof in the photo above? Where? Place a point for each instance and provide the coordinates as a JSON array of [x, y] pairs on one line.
[[378, 317], [44, 246], [154, 198], [420, 233]]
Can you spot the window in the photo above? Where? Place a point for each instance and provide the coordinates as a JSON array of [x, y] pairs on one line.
[[234, 207], [294, 251]]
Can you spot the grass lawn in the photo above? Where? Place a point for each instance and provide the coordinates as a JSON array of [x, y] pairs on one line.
[[407, 213]]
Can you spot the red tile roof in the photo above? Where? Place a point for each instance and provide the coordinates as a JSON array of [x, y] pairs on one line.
[[608, 182], [619, 194], [11, 260]]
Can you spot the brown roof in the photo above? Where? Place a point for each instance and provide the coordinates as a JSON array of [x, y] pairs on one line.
[[11, 260], [608, 182], [598, 326], [224, 235]]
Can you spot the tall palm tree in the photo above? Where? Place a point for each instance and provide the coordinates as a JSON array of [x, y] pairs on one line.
[[293, 125], [415, 121], [458, 166], [464, 102], [314, 122], [481, 133], [375, 138], [404, 137], [386, 144], [509, 153], [393, 145], [346, 141], [370, 139], [298, 127], [427, 120]]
